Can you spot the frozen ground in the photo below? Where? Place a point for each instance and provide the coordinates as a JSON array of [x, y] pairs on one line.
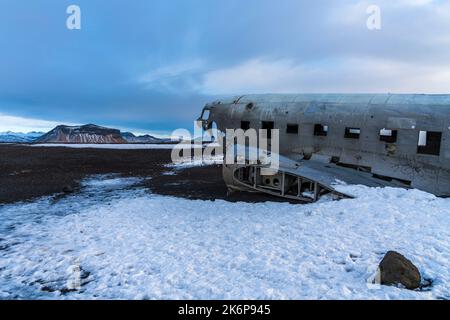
[[117, 241]]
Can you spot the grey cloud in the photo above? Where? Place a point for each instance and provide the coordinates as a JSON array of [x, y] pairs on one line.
[[153, 64]]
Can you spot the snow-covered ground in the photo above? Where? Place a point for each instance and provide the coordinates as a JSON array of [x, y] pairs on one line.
[[114, 146], [117, 241], [190, 163]]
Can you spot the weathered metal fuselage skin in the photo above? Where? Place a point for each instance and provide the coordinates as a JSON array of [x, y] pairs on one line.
[[407, 114]]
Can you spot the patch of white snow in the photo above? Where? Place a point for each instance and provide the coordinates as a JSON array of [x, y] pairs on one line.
[[126, 244]]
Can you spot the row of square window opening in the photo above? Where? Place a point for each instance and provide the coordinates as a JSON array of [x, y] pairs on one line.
[[429, 142]]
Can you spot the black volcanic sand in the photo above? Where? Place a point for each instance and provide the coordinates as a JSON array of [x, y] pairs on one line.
[[30, 172]]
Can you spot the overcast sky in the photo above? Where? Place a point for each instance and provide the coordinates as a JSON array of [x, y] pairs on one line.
[[150, 66]]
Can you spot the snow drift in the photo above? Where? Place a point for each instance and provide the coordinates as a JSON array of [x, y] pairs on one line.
[[126, 244]]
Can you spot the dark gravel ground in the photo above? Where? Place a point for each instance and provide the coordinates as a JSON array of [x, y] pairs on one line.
[[30, 172]]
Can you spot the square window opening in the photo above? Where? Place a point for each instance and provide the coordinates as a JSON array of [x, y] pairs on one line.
[[429, 143], [320, 130], [352, 133], [245, 125], [389, 136], [269, 126], [292, 128]]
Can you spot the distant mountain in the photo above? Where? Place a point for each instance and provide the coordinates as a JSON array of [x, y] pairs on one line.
[[93, 134], [89, 134], [131, 138], [19, 137]]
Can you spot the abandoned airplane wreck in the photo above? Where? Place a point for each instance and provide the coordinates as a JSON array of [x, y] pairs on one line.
[[400, 140]]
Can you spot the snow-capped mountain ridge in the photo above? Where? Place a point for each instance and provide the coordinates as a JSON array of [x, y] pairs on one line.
[[82, 134], [19, 137], [94, 134], [131, 138], [89, 133]]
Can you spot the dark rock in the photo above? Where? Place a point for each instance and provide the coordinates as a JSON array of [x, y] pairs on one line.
[[48, 289], [395, 269], [68, 189]]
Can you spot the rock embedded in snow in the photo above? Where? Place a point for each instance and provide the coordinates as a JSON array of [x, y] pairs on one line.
[[395, 269]]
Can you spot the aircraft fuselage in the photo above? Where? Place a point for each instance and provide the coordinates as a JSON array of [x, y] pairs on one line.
[[397, 137]]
